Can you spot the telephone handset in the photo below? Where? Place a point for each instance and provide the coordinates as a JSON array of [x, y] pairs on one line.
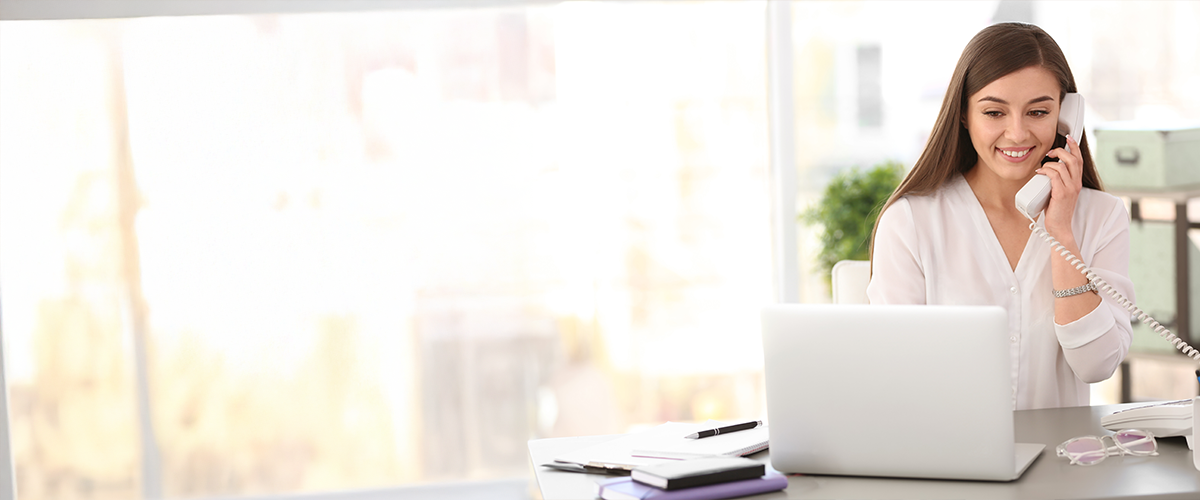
[[1032, 199]]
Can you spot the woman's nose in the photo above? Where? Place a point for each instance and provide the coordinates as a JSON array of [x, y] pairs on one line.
[[1017, 129]]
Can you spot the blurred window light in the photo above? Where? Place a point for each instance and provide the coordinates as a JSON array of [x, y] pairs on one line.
[[375, 248]]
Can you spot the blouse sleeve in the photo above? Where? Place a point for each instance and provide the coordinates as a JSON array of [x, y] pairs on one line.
[[896, 275], [1095, 344]]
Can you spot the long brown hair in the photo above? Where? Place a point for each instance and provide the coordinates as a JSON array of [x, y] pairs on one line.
[[994, 52]]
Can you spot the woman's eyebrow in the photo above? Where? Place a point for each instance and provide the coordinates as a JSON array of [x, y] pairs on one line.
[[1002, 101]]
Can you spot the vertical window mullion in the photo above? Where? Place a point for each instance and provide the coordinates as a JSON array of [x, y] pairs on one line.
[[781, 110]]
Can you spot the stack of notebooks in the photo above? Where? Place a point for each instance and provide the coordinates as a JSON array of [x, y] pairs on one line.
[[709, 478]]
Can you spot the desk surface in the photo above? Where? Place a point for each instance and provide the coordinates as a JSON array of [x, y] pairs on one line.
[[1170, 475]]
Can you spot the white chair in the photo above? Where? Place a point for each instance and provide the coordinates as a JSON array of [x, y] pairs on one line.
[[850, 278]]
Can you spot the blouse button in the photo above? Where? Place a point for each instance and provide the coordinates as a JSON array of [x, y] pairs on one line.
[[1013, 290]]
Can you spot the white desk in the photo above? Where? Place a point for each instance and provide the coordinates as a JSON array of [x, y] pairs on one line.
[[1167, 476]]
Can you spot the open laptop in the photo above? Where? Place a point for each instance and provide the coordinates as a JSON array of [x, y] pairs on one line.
[[898, 391]]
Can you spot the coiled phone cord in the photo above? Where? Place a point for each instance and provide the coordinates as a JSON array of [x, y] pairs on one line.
[[1166, 334]]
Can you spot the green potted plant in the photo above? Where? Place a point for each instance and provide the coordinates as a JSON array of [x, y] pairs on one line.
[[847, 211]]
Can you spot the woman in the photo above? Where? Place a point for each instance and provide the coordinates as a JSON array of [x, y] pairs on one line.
[[951, 233]]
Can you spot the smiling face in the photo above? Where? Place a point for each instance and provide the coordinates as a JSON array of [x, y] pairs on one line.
[[1012, 122]]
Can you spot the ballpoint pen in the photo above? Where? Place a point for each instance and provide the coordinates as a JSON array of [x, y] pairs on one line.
[[724, 430]]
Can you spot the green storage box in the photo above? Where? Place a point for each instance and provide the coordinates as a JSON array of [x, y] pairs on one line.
[[1136, 157]]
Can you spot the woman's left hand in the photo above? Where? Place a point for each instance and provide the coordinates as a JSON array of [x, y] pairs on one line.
[[1066, 181]]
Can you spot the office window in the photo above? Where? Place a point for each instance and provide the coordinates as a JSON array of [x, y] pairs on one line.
[[372, 249]]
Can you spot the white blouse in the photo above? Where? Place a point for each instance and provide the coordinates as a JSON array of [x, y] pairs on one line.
[[940, 249]]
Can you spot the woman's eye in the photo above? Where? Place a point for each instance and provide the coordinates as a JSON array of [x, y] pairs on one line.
[[993, 114], [1039, 112]]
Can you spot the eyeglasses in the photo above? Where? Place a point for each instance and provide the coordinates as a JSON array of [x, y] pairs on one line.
[[1090, 450]]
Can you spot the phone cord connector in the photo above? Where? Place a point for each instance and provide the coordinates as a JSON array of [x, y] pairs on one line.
[[1162, 331]]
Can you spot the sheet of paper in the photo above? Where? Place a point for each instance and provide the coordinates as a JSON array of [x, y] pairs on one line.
[[735, 443], [618, 453], [664, 443]]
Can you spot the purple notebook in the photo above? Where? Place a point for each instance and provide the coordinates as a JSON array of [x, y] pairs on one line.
[[625, 488]]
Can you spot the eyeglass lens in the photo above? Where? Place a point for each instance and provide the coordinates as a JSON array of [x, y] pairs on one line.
[[1135, 442], [1086, 451]]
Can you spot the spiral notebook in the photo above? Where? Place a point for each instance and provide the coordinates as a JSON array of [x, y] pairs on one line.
[[666, 442]]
